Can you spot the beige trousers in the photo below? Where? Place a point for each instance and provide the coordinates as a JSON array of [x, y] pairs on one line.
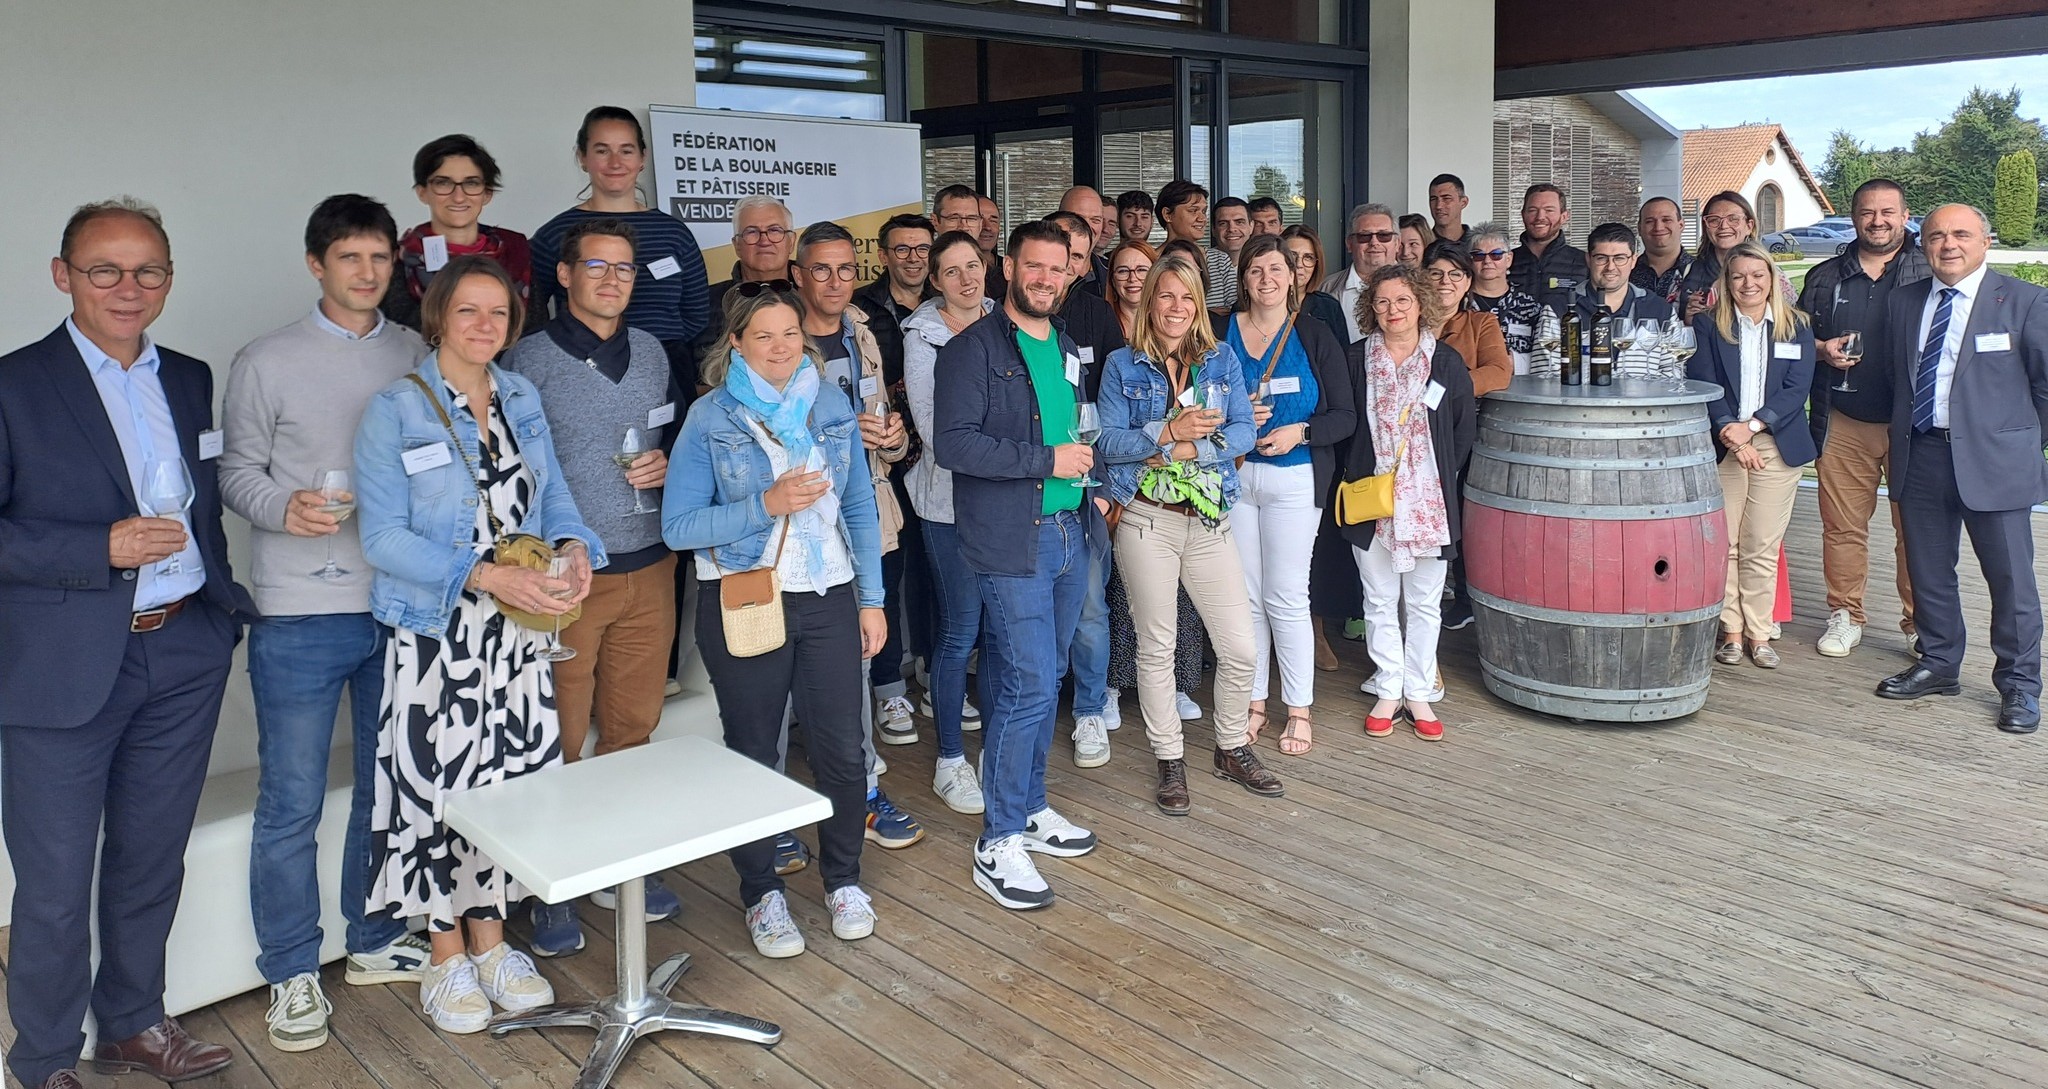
[[1759, 507], [1856, 457], [1158, 550]]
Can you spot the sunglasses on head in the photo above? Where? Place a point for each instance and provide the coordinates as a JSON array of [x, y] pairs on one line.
[[754, 289]]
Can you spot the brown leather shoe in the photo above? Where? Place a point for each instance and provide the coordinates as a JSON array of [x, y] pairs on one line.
[[1241, 766], [1173, 788], [163, 1050], [63, 1079]]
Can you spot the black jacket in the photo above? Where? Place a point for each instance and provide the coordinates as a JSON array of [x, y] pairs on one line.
[[1561, 270], [1453, 426], [1088, 318]]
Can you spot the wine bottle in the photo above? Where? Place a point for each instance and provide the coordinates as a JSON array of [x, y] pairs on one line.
[[1569, 370], [1600, 349]]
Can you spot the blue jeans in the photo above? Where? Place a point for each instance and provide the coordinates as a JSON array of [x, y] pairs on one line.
[[1026, 657], [959, 593], [1090, 657], [298, 666]]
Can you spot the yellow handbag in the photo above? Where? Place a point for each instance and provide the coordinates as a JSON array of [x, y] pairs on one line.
[[1373, 497]]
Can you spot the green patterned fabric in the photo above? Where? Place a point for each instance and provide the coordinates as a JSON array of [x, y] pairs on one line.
[[1187, 482]]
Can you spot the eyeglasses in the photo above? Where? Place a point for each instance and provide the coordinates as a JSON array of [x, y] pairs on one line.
[[1442, 274], [754, 289], [596, 269], [1489, 255], [1611, 258], [960, 220], [1398, 302], [148, 277], [1131, 272], [1736, 220], [906, 252], [441, 186], [827, 273], [1374, 236], [754, 236]]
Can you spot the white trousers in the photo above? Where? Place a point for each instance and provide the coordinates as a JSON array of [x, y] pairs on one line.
[[1402, 639], [1274, 523]]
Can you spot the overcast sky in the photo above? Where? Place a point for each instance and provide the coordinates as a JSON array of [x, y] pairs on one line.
[[1882, 107]]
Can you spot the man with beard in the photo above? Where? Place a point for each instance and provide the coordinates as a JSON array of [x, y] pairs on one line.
[[1004, 402], [1853, 426], [1664, 264], [1546, 267]]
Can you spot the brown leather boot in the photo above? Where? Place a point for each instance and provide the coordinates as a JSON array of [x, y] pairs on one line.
[[163, 1050], [1173, 788], [1241, 766]]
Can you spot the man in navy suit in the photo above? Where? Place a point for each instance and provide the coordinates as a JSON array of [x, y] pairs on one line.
[[1970, 363], [116, 630]]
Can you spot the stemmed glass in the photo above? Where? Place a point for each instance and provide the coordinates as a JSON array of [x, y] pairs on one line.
[[562, 571], [1087, 428], [1852, 350], [338, 498], [1626, 332], [1550, 338], [1679, 337], [632, 448], [167, 493]]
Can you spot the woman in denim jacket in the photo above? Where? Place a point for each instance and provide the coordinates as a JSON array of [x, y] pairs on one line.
[[1175, 416], [446, 460], [769, 472]]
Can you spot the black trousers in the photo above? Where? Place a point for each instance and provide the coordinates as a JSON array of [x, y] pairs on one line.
[[2004, 542], [138, 766], [820, 668]]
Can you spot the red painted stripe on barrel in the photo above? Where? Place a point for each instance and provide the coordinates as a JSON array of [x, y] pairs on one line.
[[1596, 565]]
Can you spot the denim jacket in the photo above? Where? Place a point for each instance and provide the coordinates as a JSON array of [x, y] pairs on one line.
[[1133, 403], [419, 528], [719, 474]]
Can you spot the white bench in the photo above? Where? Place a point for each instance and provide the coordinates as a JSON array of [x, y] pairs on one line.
[[212, 950]]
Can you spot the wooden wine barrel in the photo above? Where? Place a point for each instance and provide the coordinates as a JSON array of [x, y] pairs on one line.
[[1595, 548]]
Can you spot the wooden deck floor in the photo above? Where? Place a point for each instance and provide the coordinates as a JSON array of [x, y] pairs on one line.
[[1799, 886]]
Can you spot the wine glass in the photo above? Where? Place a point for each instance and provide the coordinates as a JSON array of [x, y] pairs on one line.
[[632, 447], [561, 570], [338, 498], [1549, 340], [1683, 342], [1087, 428], [167, 493], [1852, 350]]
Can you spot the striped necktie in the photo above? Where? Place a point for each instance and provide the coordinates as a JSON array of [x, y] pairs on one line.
[[1930, 362]]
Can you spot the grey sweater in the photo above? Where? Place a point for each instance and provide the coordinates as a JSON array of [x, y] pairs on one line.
[[589, 414], [294, 399]]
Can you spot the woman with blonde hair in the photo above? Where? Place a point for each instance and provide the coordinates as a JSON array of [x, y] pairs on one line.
[[1759, 349], [1175, 416]]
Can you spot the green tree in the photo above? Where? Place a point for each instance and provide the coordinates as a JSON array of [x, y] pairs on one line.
[[2016, 198], [1271, 181], [1959, 161], [1846, 166]]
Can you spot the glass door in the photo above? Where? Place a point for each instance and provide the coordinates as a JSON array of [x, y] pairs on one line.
[[1028, 171]]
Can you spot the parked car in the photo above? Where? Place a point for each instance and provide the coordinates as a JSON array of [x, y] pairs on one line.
[[1813, 241]]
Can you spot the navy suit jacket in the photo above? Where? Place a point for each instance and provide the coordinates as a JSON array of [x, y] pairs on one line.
[[1997, 401], [64, 610], [1787, 383]]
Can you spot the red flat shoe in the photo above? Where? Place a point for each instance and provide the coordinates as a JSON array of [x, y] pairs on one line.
[[1379, 727], [1428, 729]]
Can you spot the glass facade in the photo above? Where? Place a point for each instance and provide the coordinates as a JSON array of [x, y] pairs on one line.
[[765, 72]]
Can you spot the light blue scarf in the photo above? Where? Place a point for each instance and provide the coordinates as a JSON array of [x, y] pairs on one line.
[[786, 413]]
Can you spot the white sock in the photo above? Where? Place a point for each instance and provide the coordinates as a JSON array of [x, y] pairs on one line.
[[952, 761]]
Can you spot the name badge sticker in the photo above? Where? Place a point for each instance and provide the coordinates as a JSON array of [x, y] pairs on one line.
[[421, 458], [664, 268], [211, 444], [660, 417], [1289, 384], [1994, 342], [435, 249], [1087, 355], [1187, 397], [870, 387], [1785, 349], [1434, 395], [1073, 370]]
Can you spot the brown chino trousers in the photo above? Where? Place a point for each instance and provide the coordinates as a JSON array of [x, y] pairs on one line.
[[1856, 456], [622, 644]]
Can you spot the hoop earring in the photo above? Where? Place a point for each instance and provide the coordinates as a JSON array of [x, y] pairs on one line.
[[434, 341]]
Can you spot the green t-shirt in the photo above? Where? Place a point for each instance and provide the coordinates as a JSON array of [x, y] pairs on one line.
[[1055, 412]]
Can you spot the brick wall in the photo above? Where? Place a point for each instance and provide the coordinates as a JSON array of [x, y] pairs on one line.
[[1565, 141]]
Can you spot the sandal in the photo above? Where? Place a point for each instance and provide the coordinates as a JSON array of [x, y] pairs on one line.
[[1255, 721], [1299, 735]]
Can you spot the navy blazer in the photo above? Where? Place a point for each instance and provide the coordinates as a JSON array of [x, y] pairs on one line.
[[1997, 401], [1787, 382], [64, 610]]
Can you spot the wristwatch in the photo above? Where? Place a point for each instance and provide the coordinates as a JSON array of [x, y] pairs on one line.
[[1304, 427], [1756, 426]]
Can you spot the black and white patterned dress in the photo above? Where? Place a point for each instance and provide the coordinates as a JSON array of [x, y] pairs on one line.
[[471, 708]]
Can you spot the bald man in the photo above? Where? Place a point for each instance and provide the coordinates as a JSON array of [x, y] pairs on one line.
[[1087, 203]]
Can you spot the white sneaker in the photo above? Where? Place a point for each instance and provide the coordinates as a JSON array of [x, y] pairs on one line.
[[1007, 874], [403, 961], [881, 766], [1112, 712], [956, 786], [452, 997], [1048, 833], [774, 932], [671, 688], [298, 1013], [510, 980], [970, 718], [853, 914], [893, 722], [1776, 631], [1189, 709], [1843, 635], [1091, 742]]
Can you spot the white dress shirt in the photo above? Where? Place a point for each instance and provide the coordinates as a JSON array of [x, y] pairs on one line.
[[1755, 338], [1952, 344], [321, 319], [141, 417], [1353, 287]]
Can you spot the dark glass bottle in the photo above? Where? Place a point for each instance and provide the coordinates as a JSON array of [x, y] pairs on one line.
[[1600, 349], [1571, 343]]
